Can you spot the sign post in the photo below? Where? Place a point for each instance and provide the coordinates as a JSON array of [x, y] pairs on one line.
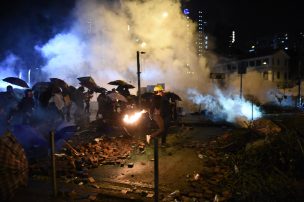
[[242, 68], [156, 169]]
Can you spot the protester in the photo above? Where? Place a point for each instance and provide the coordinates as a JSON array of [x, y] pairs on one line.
[[105, 107], [8, 103], [67, 104], [26, 106], [56, 104], [123, 90], [160, 113], [87, 98]]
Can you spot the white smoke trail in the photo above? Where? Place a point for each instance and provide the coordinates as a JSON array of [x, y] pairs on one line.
[[225, 107]]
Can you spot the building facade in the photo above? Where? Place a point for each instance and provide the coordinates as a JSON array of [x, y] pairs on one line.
[[272, 66]]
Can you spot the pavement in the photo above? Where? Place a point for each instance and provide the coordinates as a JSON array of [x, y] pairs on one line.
[[177, 163]]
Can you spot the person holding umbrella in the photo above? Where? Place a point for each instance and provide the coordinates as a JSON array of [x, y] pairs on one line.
[[26, 106], [8, 103], [160, 111]]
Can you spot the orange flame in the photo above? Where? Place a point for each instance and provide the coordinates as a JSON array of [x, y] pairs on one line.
[[133, 118]]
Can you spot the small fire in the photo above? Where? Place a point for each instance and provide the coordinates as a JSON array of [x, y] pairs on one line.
[[133, 118]]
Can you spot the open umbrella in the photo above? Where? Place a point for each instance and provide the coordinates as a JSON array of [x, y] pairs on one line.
[[115, 96], [89, 83], [59, 83], [16, 81], [121, 83], [13, 166], [172, 96], [87, 79]]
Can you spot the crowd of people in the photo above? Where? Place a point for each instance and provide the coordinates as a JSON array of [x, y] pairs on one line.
[[55, 104]]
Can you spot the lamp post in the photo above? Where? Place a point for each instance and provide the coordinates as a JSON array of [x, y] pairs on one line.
[[241, 86], [138, 76], [242, 70]]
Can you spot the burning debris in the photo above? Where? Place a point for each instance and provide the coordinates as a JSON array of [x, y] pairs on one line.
[[134, 117]]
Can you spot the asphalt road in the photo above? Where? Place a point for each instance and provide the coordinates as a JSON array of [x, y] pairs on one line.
[[117, 183]]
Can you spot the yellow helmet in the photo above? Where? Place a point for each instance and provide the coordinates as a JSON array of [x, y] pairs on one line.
[[158, 88]]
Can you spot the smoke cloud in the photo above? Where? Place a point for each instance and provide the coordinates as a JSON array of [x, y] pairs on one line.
[[104, 38], [8, 68], [253, 84], [221, 106]]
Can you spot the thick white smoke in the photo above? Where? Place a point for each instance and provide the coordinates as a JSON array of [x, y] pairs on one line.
[[225, 106], [105, 37], [103, 41], [254, 84]]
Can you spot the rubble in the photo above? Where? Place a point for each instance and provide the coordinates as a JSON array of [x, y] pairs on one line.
[[266, 127], [226, 161]]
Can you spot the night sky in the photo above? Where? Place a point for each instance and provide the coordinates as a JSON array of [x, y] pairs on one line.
[[251, 18], [25, 23]]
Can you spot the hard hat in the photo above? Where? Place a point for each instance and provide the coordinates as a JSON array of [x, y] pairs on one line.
[[158, 88]]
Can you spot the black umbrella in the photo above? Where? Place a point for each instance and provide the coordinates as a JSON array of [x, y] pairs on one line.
[[87, 79], [121, 83], [13, 166], [88, 82], [172, 96], [59, 83], [16, 81]]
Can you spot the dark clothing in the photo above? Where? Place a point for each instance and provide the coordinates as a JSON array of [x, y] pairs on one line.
[[160, 110], [8, 104], [105, 107], [87, 98], [78, 98], [26, 107], [123, 90], [161, 103]]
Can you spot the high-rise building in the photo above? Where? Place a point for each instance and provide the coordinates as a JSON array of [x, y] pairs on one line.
[[202, 37], [232, 39], [201, 41]]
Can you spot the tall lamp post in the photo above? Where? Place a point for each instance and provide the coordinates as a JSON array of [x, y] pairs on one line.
[[138, 76], [241, 70]]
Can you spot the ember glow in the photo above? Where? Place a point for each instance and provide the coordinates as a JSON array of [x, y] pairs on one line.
[[134, 117], [224, 107]]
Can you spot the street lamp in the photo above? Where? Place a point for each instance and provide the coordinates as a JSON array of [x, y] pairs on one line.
[[138, 76]]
